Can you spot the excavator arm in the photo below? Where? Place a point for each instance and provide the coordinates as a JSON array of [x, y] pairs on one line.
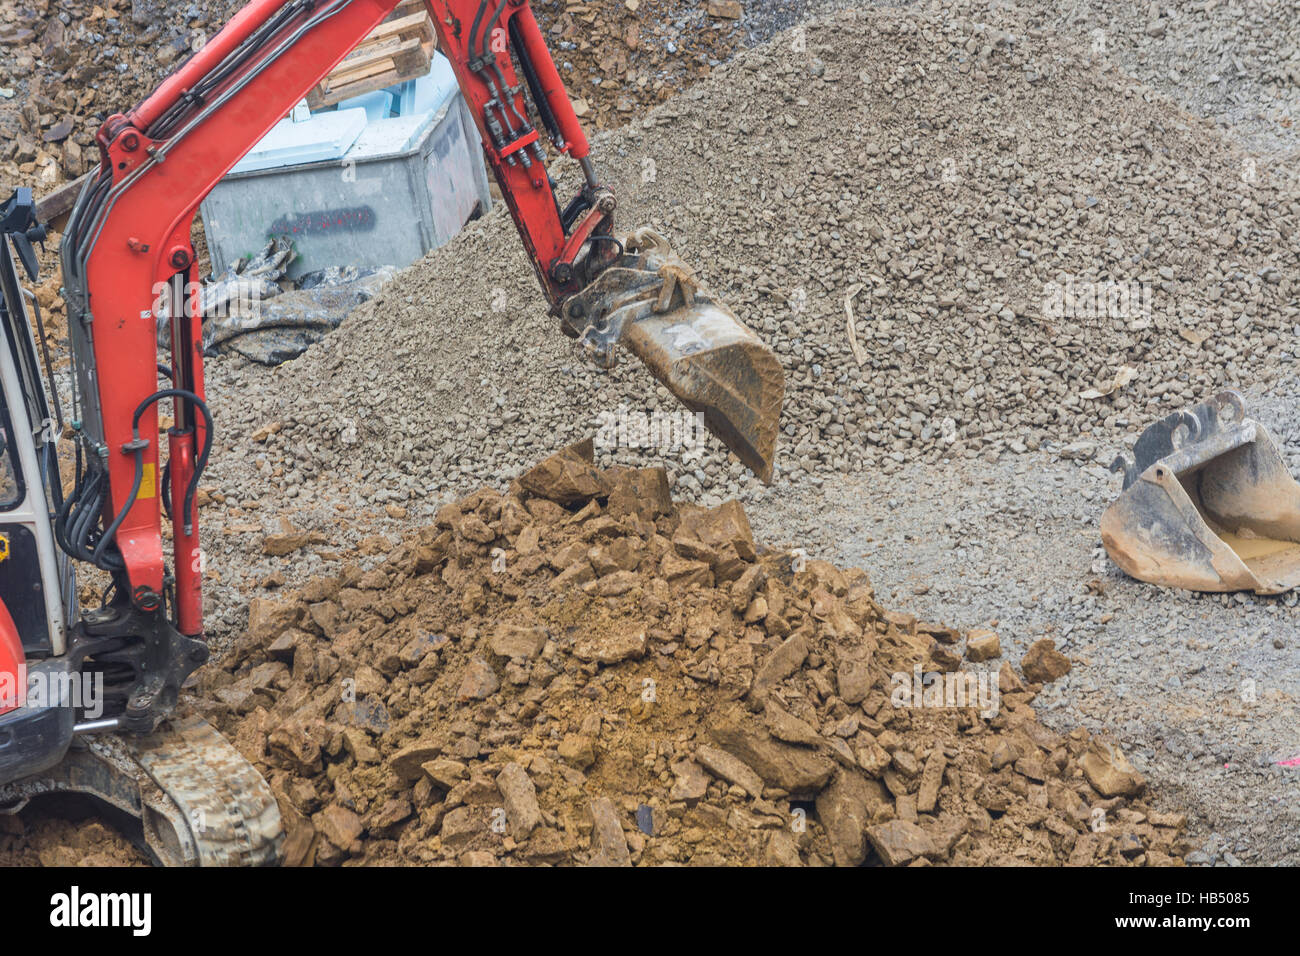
[[127, 247]]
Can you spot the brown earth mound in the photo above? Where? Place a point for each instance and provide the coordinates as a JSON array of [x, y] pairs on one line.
[[582, 671]]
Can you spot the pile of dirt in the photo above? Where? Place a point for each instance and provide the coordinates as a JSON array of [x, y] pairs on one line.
[[583, 671], [64, 831]]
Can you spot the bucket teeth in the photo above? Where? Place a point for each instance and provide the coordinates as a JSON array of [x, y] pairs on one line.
[[1207, 505]]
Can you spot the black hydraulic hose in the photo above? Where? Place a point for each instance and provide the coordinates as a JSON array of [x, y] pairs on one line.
[[478, 22], [507, 98], [484, 45], [61, 518], [602, 237], [87, 512], [60, 521], [138, 447], [540, 103], [101, 549], [49, 365], [166, 123]]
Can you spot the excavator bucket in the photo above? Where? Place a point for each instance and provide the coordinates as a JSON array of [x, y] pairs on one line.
[[650, 302], [1207, 505]]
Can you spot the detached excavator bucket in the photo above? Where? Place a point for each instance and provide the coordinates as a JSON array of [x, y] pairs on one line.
[[649, 302], [1207, 504]]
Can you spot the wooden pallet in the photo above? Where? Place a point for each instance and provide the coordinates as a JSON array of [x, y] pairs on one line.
[[398, 49]]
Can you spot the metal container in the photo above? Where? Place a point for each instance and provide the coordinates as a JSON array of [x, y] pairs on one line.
[[354, 187]]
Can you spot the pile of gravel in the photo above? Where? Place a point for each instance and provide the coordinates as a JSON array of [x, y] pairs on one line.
[[960, 173], [1237, 63]]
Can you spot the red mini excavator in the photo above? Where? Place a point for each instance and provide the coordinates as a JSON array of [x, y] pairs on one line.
[[128, 235]]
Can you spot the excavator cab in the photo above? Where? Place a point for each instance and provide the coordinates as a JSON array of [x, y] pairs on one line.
[[37, 583], [197, 800]]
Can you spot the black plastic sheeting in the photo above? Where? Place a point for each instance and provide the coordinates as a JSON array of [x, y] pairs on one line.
[[254, 311]]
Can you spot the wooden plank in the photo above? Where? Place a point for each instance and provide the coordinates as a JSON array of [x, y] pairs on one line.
[[408, 6], [57, 204], [416, 21], [399, 49], [380, 81], [372, 56]]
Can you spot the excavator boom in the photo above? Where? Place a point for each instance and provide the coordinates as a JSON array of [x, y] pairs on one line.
[[128, 237]]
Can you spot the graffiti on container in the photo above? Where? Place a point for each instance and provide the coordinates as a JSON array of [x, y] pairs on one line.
[[351, 219]]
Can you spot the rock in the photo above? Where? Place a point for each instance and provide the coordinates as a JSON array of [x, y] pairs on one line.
[[268, 619], [854, 680], [844, 811], [797, 770], [292, 747], [522, 643], [546, 846], [445, 772], [690, 783], [1078, 451], [458, 828], [789, 728], [780, 664], [473, 528], [578, 750], [1044, 663], [982, 646], [872, 758], [339, 825], [615, 584], [723, 527], [281, 649], [567, 477], [610, 647], [480, 681], [899, 842], [927, 795], [746, 586], [608, 841], [279, 545], [944, 658], [299, 845], [726, 9], [408, 762], [59, 131], [393, 811], [1008, 682], [731, 769], [905, 762], [683, 572], [642, 492], [1109, 771], [523, 813]]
